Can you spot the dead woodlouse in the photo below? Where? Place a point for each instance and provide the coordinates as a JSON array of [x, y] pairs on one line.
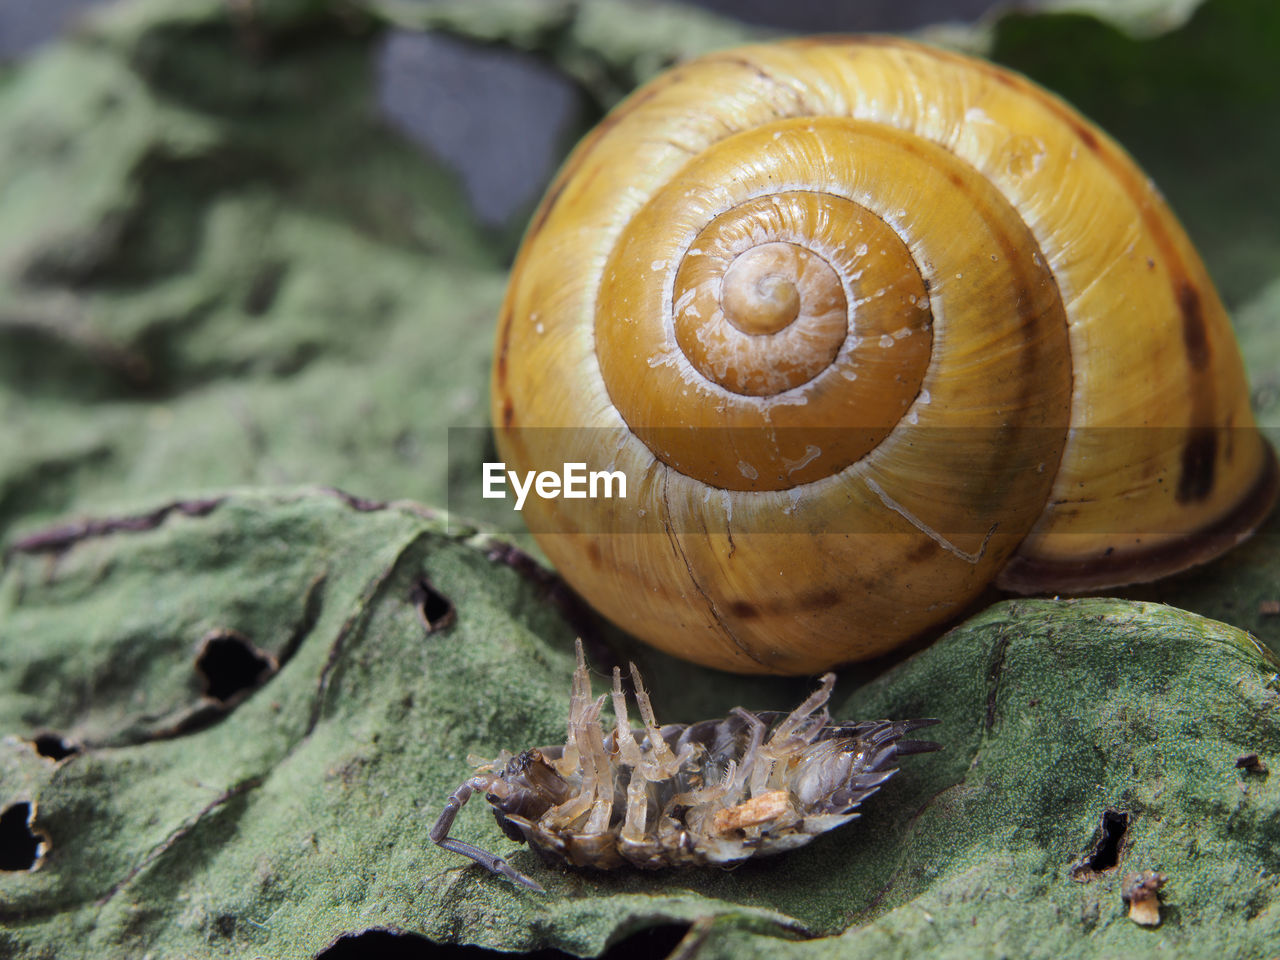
[[716, 792]]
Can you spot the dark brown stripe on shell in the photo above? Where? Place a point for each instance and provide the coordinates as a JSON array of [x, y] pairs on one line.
[[1117, 568], [504, 344], [1085, 135], [819, 600], [1194, 334], [548, 202], [925, 549], [739, 61], [1199, 462]]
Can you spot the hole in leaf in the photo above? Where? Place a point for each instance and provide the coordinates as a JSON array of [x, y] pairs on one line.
[[1106, 852], [224, 925], [1251, 763], [435, 610], [651, 943], [19, 847], [656, 941], [230, 666], [49, 744]]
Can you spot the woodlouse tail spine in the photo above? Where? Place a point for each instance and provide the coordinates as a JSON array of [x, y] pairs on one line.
[[905, 748]]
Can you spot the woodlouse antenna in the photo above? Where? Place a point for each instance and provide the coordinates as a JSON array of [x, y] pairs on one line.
[[491, 861]]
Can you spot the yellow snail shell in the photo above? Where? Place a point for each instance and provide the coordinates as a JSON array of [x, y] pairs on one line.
[[902, 310]]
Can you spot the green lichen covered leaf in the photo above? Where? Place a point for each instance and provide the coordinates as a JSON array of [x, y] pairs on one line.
[[294, 807], [219, 268]]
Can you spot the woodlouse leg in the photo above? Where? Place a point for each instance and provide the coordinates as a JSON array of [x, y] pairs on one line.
[[721, 789], [637, 817], [579, 703], [755, 767], [601, 812], [586, 737], [816, 700], [628, 749], [705, 802], [598, 787], [711, 792], [637, 812], [584, 730], [662, 762], [439, 834]]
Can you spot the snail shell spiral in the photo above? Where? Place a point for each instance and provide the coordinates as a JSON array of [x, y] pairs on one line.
[[869, 326]]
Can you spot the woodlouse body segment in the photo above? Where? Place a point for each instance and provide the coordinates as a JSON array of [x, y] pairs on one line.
[[716, 792]]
